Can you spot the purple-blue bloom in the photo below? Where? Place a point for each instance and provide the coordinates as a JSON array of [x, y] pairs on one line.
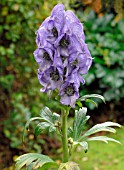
[[62, 54], [51, 78], [44, 57], [69, 93]]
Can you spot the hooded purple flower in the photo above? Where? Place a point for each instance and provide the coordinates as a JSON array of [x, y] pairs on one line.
[[44, 57], [51, 28], [50, 79], [80, 60], [62, 55], [69, 93], [73, 25]]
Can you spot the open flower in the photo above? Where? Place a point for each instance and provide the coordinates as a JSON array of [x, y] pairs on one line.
[[80, 61], [44, 57], [51, 28], [50, 79], [69, 93]]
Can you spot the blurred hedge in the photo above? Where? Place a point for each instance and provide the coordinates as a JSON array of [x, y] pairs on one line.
[[105, 39]]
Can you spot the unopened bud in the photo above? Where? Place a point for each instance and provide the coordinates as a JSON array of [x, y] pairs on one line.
[[57, 124], [70, 141]]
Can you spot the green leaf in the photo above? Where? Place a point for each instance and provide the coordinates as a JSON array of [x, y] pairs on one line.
[[103, 139], [44, 126], [52, 129], [69, 166], [85, 97], [33, 160], [84, 144], [48, 116], [30, 167], [101, 127], [50, 166], [91, 101], [41, 127], [80, 120], [50, 120], [79, 103], [28, 123], [70, 132]]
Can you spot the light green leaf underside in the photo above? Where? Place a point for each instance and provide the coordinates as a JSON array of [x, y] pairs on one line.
[[80, 120], [83, 144], [34, 160], [48, 116], [103, 139], [49, 119], [83, 98], [91, 101], [101, 127]]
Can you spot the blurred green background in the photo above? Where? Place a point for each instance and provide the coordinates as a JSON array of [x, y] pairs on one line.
[[20, 98]]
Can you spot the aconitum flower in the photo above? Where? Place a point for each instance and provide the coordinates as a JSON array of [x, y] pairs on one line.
[[62, 54], [44, 57], [52, 27], [69, 93], [51, 78]]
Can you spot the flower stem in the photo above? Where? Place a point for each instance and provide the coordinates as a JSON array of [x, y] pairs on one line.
[[64, 135]]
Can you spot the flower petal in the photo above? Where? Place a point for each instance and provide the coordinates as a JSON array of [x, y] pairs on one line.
[[65, 100]]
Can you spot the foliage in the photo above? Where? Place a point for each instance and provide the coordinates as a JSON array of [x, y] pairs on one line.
[[102, 156], [48, 121], [33, 161], [75, 136], [105, 40], [80, 120], [86, 99], [118, 6]]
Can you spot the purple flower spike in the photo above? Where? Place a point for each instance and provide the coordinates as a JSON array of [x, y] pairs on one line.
[[62, 55]]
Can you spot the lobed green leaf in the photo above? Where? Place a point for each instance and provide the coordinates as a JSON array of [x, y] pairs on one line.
[[101, 127], [85, 97], [91, 101], [48, 116], [103, 139], [41, 127], [33, 160], [48, 120], [83, 144], [80, 120]]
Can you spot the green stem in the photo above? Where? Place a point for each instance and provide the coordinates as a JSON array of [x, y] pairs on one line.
[[64, 135]]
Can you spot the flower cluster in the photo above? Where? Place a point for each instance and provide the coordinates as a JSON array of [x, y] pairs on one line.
[[62, 54]]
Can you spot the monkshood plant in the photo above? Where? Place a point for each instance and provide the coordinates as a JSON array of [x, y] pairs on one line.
[[63, 58]]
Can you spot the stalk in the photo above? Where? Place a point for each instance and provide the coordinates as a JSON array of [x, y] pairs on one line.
[[64, 136]]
